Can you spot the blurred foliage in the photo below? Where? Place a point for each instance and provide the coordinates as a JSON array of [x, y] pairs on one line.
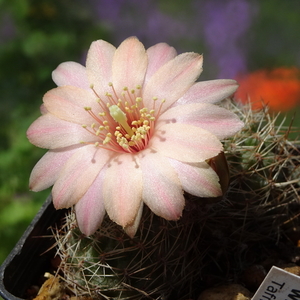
[[276, 28], [37, 35]]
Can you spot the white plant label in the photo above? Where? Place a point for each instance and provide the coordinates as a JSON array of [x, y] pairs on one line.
[[279, 285]]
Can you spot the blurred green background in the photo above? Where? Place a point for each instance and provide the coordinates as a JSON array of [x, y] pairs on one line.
[[235, 36]]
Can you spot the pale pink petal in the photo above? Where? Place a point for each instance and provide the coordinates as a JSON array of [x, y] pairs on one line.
[[51, 132], [162, 190], [68, 103], [172, 80], [185, 143], [199, 180], [43, 109], [46, 171], [158, 55], [71, 73], [129, 65], [210, 91], [217, 120], [98, 66], [78, 174], [132, 228], [123, 189], [90, 209]]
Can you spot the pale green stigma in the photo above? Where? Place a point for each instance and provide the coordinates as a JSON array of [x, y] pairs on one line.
[[120, 117]]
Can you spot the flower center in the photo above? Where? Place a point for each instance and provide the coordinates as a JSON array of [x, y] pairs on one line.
[[120, 117], [123, 123]]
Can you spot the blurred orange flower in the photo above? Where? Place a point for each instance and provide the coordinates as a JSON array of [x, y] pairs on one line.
[[278, 88]]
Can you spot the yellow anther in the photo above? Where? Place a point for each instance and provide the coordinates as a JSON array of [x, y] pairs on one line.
[[87, 108], [143, 110], [106, 140]]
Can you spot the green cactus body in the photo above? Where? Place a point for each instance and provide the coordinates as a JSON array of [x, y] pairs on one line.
[[212, 243], [155, 264]]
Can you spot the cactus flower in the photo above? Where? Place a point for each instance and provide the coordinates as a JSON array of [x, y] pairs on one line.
[[278, 88], [131, 127]]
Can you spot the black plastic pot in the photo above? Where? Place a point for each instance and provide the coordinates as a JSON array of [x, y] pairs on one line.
[[29, 259]]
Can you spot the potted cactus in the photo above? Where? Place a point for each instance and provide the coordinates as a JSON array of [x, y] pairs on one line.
[[159, 208], [25, 264]]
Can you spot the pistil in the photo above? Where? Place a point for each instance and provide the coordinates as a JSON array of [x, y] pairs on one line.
[[120, 117]]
